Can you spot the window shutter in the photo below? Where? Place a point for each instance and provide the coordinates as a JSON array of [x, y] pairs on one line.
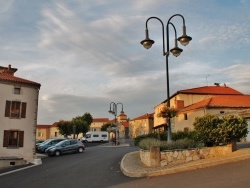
[[23, 112], [7, 108], [21, 138], [5, 138]]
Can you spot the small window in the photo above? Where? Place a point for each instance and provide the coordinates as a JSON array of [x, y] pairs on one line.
[[185, 116], [222, 112], [17, 90], [95, 135], [186, 129], [104, 135], [13, 138], [15, 109], [55, 134]]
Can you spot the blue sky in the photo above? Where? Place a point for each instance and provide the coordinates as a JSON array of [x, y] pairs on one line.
[[87, 53]]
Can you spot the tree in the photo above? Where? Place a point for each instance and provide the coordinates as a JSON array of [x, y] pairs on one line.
[[65, 128], [213, 130], [82, 123]]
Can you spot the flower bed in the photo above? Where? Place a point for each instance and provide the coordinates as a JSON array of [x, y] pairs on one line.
[[154, 157]]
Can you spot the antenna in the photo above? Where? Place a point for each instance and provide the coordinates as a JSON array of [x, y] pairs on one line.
[[206, 78]]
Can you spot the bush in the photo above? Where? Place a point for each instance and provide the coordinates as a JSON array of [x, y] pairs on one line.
[[141, 137], [213, 130], [164, 145]]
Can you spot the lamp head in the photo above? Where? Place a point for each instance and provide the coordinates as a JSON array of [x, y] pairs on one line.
[[176, 51], [184, 39], [147, 43]]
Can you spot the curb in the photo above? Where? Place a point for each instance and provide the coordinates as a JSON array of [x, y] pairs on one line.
[[142, 171]]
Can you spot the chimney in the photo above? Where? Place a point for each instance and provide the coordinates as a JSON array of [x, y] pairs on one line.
[[217, 84]]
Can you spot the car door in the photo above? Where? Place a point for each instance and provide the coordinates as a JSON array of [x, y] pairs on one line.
[[65, 147]]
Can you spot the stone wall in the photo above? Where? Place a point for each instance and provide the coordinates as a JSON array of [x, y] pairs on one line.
[[154, 157]]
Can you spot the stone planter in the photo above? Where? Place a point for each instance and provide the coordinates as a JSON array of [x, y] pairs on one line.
[[156, 158]]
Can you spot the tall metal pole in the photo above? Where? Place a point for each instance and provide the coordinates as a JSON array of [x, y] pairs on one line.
[[184, 39]]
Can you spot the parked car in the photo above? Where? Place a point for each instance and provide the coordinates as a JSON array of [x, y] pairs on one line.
[[48, 143], [38, 142], [66, 146]]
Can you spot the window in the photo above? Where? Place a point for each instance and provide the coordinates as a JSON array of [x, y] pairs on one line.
[[13, 138], [185, 116], [15, 109], [55, 134], [222, 112], [104, 135], [186, 129], [95, 135], [17, 90], [39, 133]]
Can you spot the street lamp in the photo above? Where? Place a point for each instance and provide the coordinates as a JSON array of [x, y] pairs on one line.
[[176, 51], [113, 110]]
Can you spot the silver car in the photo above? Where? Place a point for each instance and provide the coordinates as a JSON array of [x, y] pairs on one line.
[[66, 146]]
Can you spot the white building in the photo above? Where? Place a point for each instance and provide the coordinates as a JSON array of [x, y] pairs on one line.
[[18, 115]]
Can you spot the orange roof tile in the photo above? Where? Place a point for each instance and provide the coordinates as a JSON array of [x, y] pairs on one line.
[[42, 126], [5, 77], [145, 116], [100, 120], [211, 90], [229, 101]]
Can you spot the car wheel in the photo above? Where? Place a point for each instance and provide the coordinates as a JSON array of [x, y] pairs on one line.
[[57, 153], [80, 150]]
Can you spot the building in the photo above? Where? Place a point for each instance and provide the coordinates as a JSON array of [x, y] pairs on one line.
[[141, 125], [97, 123], [18, 115], [197, 102]]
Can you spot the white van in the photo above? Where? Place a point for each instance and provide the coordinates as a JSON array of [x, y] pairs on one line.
[[97, 136]]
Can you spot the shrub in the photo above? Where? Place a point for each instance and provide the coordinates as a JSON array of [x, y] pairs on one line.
[[213, 130], [141, 137], [164, 145]]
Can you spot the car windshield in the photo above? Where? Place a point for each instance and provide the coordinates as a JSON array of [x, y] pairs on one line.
[[88, 135]]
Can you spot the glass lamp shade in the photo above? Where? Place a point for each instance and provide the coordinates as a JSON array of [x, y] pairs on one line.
[[184, 40], [147, 43], [176, 51]]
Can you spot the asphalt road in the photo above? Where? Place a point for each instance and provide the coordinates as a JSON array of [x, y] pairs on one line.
[[96, 167], [100, 167]]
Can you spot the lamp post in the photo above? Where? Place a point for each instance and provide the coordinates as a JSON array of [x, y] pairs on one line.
[[176, 51], [113, 110]]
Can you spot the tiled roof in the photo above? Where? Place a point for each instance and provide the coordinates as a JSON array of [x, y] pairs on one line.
[[5, 77], [145, 116], [229, 101], [122, 114], [42, 126], [96, 120], [211, 90], [125, 124]]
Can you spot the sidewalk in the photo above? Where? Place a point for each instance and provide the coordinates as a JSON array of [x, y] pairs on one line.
[[132, 166]]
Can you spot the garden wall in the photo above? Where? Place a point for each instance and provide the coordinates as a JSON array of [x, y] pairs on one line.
[[155, 158]]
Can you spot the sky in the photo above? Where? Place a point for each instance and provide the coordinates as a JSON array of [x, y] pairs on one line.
[[87, 53]]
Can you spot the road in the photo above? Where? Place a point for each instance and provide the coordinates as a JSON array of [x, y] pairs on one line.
[[100, 167]]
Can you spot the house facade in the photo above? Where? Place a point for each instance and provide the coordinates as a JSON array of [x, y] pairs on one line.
[[97, 123], [18, 115], [197, 102], [141, 125]]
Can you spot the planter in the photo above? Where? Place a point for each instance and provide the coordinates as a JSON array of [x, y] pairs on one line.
[[155, 158]]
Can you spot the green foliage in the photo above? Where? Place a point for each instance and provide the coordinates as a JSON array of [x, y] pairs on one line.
[[213, 130], [65, 128], [192, 135], [164, 145], [141, 137], [80, 124], [148, 142]]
